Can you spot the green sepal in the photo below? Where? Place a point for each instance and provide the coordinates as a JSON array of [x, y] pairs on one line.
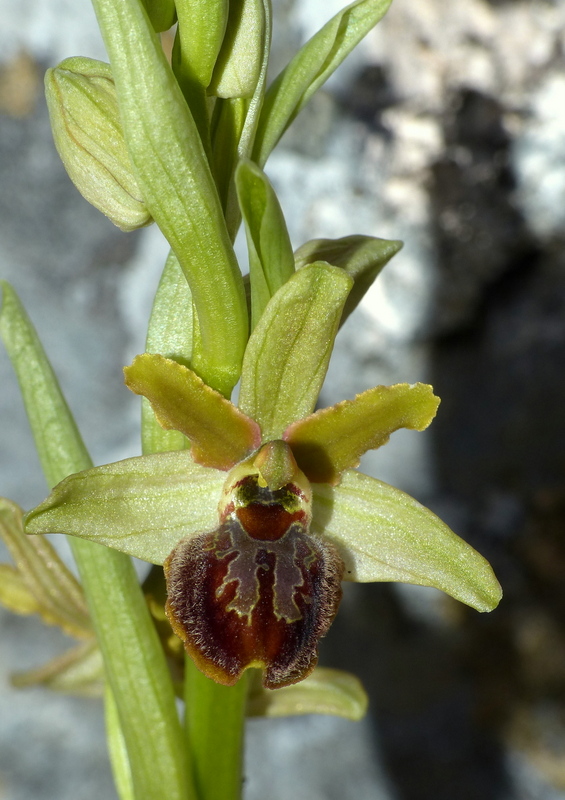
[[79, 671], [169, 333], [161, 13], [238, 65], [325, 691], [362, 257], [58, 596], [87, 131], [334, 439], [14, 592], [288, 352], [141, 506], [220, 434], [271, 260], [310, 68], [384, 534], [177, 185]]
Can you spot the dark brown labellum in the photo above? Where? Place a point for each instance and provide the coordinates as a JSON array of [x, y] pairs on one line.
[[259, 591]]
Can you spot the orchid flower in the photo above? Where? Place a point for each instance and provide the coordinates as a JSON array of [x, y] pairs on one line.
[[259, 521]]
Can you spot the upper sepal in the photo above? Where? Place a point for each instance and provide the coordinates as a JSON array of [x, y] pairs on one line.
[[238, 65], [287, 355]]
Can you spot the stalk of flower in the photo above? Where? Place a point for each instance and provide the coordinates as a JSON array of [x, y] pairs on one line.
[[260, 520]]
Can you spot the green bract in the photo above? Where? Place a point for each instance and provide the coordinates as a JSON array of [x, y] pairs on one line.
[[172, 169], [271, 260]]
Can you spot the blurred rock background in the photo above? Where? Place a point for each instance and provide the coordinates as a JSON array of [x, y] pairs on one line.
[[446, 128]]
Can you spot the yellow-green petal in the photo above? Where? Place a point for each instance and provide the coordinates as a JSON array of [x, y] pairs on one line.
[[287, 355], [324, 691], [221, 435], [334, 439], [142, 506], [384, 534]]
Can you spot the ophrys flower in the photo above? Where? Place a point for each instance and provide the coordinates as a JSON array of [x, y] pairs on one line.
[[258, 523]]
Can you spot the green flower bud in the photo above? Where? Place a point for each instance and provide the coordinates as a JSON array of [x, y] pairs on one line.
[[85, 119]]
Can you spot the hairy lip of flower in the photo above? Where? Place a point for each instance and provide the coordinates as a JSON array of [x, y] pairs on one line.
[[259, 591]]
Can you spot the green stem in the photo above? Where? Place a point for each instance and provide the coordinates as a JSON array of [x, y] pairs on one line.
[[215, 720]]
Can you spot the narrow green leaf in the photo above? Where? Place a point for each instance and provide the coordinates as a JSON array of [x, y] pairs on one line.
[[117, 750], [58, 442], [335, 438], [177, 185], [169, 333], [14, 593], [362, 257], [384, 534], [288, 353], [79, 671], [238, 66], [134, 662], [271, 260], [219, 433], [142, 506], [58, 595], [310, 68], [139, 678], [324, 691]]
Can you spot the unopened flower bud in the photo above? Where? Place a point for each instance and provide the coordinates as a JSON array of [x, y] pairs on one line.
[[88, 135]]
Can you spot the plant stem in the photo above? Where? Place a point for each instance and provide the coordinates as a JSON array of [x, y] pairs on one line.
[[215, 720]]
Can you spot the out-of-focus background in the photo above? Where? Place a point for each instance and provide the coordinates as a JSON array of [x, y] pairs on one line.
[[446, 128]]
